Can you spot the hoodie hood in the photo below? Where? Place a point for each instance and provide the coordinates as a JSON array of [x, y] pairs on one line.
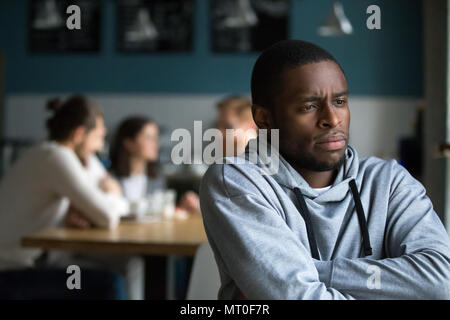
[[288, 177]]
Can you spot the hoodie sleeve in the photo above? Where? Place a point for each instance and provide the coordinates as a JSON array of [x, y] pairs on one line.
[[416, 244], [252, 243]]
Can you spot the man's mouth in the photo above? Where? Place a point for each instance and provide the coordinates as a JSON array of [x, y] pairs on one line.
[[331, 143]]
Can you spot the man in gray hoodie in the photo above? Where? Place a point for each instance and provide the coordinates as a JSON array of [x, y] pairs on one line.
[[327, 224]]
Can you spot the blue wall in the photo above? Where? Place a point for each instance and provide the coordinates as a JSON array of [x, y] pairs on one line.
[[380, 62]]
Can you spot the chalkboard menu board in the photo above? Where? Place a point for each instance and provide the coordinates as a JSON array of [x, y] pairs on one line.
[[248, 25], [48, 32], [154, 25]]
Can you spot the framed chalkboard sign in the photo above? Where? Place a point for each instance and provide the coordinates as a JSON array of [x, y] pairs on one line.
[[154, 25], [48, 32], [248, 25]]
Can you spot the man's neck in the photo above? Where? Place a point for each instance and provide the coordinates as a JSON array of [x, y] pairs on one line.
[[317, 179], [70, 145]]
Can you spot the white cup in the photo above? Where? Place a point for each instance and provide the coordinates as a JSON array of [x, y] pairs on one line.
[[155, 203], [139, 208], [168, 209]]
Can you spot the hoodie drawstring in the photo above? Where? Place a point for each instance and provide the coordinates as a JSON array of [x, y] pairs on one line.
[[309, 230], [361, 219]]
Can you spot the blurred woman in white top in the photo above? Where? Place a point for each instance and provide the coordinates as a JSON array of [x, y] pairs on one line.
[[57, 181], [134, 156]]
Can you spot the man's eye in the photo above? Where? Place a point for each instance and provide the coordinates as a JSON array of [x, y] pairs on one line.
[[340, 101], [308, 107]]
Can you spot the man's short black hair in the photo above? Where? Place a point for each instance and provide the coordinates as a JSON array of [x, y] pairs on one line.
[[273, 61]]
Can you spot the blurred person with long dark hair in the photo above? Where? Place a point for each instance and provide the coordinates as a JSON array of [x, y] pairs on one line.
[[134, 156], [134, 161]]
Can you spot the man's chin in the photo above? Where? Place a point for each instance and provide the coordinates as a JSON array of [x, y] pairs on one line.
[[326, 167], [329, 164], [316, 160]]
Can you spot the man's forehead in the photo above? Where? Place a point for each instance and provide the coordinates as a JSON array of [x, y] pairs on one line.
[[314, 79]]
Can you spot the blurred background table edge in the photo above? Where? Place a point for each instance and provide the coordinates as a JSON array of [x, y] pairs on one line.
[[169, 238], [165, 237]]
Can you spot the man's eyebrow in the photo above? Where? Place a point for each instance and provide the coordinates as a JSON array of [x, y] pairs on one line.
[[315, 98], [340, 94], [311, 98]]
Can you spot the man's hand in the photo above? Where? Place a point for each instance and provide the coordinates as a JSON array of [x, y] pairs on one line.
[[190, 202], [75, 219], [110, 185]]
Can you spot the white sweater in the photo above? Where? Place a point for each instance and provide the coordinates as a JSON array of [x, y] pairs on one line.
[[36, 192]]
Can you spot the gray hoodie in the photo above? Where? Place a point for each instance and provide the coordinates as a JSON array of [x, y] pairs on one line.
[[258, 232]]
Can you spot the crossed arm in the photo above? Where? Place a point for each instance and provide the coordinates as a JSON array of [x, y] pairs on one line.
[[266, 260]]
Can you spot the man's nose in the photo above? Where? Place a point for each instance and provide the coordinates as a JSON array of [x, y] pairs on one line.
[[329, 118]]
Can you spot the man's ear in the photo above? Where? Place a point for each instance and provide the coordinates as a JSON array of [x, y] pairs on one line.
[[262, 117], [79, 135]]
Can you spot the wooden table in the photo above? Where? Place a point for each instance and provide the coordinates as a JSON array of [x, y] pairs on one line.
[[169, 238], [166, 237]]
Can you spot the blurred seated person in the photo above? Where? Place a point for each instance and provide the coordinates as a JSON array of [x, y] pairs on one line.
[[235, 112], [134, 157], [53, 182]]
